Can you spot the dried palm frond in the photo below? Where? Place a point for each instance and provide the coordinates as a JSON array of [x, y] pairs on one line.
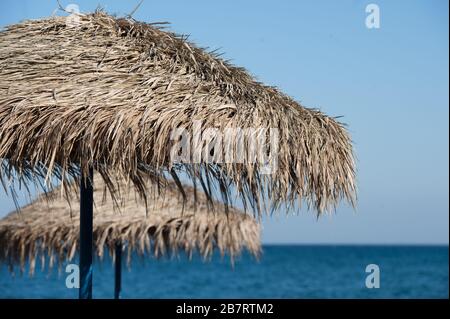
[[49, 229], [107, 93]]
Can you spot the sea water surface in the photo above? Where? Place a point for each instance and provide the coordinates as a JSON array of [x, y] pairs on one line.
[[283, 271]]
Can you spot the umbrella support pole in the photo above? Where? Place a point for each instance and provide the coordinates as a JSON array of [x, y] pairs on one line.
[[86, 217], [118, 270]]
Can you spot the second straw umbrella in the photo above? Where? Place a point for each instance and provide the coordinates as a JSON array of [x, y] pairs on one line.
[[47, 229]]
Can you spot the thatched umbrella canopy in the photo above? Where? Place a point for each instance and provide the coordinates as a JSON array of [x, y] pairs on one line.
[[107, 93], [49, 228], [97, 92]]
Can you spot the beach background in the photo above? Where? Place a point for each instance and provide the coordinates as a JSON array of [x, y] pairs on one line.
[[284, 271], [390, 84]]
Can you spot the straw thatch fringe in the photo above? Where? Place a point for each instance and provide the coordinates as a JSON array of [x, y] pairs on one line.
[[45, 229], [108, 92]]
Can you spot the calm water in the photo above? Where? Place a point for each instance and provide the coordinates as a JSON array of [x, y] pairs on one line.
[[282, 272]]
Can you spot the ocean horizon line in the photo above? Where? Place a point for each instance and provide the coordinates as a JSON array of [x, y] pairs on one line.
[[268, 244]]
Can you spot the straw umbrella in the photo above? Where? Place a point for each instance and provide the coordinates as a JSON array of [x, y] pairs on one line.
[[107, 94], [48, 228]]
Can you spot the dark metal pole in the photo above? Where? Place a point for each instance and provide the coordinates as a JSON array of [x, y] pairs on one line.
[[118, 271], [86, 209]]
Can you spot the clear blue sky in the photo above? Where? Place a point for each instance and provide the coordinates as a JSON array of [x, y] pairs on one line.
[[391, 85]]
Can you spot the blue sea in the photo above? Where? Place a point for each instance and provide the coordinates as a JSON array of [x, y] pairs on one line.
[[284, 271]]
